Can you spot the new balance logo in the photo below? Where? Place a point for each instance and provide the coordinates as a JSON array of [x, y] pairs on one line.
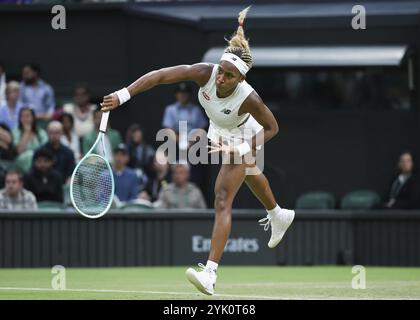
[[234, 59], [226, 111], [206, 96]]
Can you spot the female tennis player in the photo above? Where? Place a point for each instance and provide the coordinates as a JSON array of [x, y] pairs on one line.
[[230, 103]]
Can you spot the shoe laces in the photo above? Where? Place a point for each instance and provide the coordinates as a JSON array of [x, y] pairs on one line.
[[204, 268], [201, 266], [265, 222]]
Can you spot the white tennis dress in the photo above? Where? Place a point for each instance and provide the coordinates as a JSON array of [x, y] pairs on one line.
[[225, 123]]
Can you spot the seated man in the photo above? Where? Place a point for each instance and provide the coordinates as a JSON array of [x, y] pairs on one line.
[[36, 92], [181, 194], [14, 196], [141, 154], [404, 191], [63, 156], [127, 183], [43, 180]]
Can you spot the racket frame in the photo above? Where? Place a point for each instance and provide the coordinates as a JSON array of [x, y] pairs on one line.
[[90, 153]]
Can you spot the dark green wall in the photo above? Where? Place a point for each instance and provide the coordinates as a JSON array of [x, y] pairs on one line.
[[334, 150]]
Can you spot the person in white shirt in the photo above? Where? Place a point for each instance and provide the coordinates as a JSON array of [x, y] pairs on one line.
[[81, 109], [10, 109], [232, 106]]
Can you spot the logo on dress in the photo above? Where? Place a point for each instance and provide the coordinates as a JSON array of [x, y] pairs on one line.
[[205, 95], [226, 111], [233, 58]]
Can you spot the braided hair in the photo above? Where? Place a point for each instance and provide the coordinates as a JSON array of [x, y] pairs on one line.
[[238, 44]]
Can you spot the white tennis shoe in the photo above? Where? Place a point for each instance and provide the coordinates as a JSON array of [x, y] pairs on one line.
[[204, 280], [279, 222]]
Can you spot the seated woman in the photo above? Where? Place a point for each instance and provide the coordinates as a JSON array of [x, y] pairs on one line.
[[27, 137], [7, 151]]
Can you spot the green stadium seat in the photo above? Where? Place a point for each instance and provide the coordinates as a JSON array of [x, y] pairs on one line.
[[50, 206], [360, 199], [7, 164], [23, 162], [60, 101], [316, 200], [42, 124]]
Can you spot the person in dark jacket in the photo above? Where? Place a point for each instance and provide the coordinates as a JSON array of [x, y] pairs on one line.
[[44, 181], [63, 157], [404, 191], [141, 154]]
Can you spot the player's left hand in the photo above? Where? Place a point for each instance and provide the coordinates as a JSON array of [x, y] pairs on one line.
[[219, 147]]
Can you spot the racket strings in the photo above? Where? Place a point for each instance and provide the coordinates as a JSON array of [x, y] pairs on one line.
[[92, 185]]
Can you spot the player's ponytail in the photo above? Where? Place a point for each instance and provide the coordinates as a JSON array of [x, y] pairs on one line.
[[238, 44]]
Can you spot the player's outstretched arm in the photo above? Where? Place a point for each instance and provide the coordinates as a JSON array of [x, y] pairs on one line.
[[199, 73]]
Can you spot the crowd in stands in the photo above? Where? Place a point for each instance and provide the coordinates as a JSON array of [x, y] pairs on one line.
[[41, 143]]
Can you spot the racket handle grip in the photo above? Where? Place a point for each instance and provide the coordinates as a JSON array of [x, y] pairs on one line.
[[104, 121]]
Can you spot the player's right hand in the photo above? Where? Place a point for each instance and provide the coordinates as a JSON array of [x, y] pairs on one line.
[[109, 102]]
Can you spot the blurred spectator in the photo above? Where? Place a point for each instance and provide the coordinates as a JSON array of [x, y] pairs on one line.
[[70, 138], [127, 184], [112, 137], [404, 192], [141, 154], [63, 158], [36, 92], [183, 110], [9, 109], [44, 181], [14, 196], [81, 109], [27, 137], [181, 194], [159, 177], [2, 84], [7, 151]]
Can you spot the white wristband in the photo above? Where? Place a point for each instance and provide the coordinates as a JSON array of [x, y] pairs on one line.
[[123, 95], [243, 148]]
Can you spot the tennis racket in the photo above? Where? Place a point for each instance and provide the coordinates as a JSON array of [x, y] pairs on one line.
[[92, 182]]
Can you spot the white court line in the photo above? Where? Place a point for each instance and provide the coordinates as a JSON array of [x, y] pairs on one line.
[[136, 291], [216, 295]]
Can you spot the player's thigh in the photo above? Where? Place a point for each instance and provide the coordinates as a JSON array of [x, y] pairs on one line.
[[229, 180]]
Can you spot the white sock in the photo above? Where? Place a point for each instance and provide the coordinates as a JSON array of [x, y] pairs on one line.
[[212, 265], [274, 211]]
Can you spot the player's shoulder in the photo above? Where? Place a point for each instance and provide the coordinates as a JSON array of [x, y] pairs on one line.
[[252, 102], [203, 72], [205, 66], [253, 98]]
